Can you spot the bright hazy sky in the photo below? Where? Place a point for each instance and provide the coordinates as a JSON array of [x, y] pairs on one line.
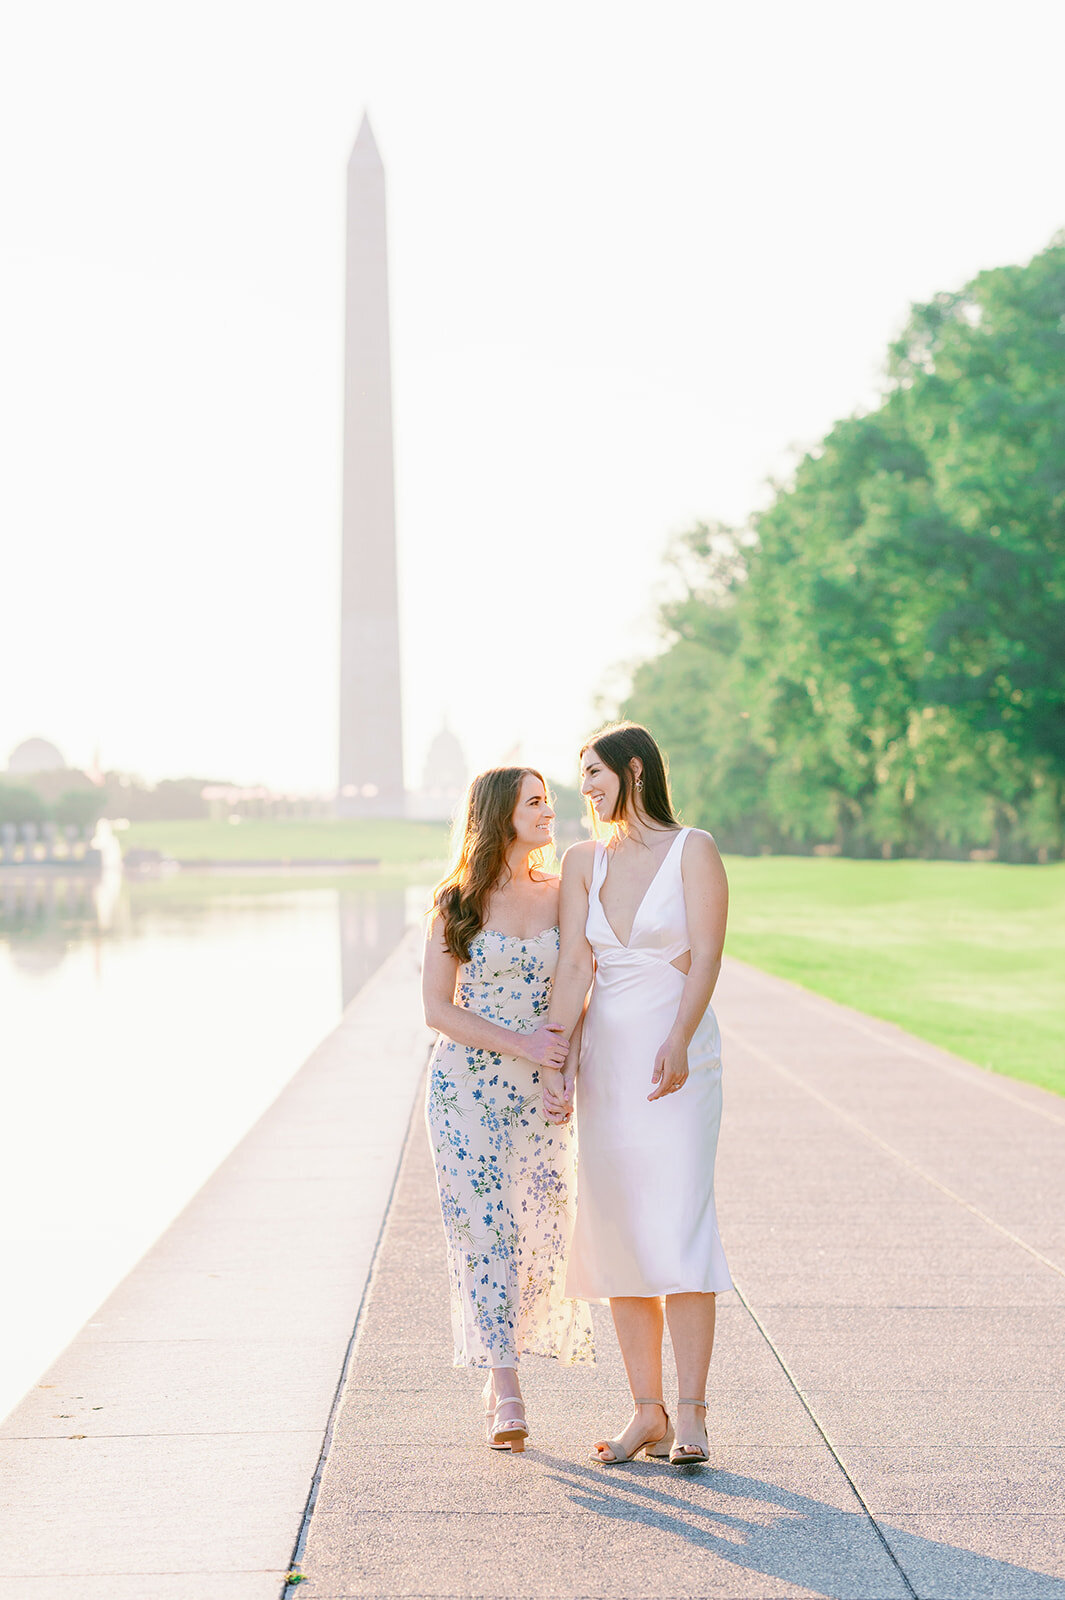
[[640, 256]]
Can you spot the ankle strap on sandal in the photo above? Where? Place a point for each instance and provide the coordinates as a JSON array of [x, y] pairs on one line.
[[637, 1402], [692, 1403]]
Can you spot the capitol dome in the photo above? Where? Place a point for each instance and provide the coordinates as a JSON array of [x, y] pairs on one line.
[[36, 755], [445, 765]]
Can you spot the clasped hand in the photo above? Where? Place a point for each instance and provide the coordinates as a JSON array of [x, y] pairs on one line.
[[547, 1047], [556, 1095], [670, 1074]]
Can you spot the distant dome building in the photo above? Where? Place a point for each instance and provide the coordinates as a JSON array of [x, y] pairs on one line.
[[443, 782], [36, 755], [445, 765]]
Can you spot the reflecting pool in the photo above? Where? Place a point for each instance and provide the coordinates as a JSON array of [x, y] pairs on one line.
[[144, 1026]]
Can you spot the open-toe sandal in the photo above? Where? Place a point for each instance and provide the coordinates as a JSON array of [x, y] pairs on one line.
[[683, 1455], [653, 1449], [507, 1432]]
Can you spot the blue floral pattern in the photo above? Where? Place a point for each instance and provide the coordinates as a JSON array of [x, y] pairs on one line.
[[505, 1174]]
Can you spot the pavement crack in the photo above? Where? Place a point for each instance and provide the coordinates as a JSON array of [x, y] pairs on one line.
[[290, 1589], [829, 1444]]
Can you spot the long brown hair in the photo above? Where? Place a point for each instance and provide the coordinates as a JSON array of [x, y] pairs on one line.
[[615, 745], [484, 833]]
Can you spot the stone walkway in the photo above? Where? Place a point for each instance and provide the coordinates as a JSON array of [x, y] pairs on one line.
[[887, 1415]]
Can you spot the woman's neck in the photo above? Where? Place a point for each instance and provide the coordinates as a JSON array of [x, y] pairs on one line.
[[641, 830], [519, 864]]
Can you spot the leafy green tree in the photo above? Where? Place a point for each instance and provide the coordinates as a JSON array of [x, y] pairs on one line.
[[170, 800], [700, 709], [19, 804], [878, 664], [79, 808], [981, 376]]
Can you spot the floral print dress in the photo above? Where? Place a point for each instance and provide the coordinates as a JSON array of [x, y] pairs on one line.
[[505, 1175]]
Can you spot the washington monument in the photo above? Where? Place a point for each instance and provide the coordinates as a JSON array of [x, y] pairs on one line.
[[371, 730]]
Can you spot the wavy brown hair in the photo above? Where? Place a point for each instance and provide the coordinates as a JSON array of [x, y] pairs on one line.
[[484, 833], [616, 745]]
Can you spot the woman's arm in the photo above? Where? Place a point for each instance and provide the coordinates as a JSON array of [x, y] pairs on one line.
[[573, 975], [545, 1046], [706, 900], [573, 1060]]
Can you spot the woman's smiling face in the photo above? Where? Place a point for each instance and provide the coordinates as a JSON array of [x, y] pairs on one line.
[[599, 784], [534, 818]]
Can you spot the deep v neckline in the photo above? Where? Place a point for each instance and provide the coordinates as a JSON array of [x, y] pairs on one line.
[[624, 944]]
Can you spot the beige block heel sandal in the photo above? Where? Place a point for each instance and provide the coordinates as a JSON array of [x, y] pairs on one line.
[[652, 1449], [690, 1455]]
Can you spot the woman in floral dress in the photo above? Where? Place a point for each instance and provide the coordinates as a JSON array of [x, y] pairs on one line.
[[504, 1173]]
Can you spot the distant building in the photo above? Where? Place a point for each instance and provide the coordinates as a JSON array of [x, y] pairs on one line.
[[445, 765], [444, 780], [36, 755]]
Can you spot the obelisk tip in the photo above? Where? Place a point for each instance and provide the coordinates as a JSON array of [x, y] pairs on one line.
[[365, 146]]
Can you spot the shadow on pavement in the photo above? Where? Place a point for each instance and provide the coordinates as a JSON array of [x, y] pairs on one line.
[[793, 1538]]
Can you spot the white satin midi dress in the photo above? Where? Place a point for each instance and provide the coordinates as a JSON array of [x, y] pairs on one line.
[[646, 1222]]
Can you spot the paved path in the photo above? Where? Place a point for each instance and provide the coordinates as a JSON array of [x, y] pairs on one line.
[[886, 1397]]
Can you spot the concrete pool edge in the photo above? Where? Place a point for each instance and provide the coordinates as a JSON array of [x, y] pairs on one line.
[[177, 1437]]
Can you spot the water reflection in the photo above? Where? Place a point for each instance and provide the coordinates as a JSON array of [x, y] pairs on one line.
[[44, 916], [41, 913], [144, 1026], [372, 922]]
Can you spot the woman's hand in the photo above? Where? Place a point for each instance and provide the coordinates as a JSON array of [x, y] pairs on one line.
[[556, 1095], [547, 1047], [671, 1069]]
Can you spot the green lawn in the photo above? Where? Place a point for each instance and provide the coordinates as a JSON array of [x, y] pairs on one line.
[[393, 843], [968, 955]]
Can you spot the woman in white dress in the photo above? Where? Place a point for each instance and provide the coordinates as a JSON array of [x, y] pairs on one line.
[[504, 1172], [645, 914]]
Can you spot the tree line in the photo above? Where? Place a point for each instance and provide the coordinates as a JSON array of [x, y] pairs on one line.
[[71, 797], [876, 664], [77, 808]]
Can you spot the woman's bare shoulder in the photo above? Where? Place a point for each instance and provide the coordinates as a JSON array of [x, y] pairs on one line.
[[700, 848], [577, 861]]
